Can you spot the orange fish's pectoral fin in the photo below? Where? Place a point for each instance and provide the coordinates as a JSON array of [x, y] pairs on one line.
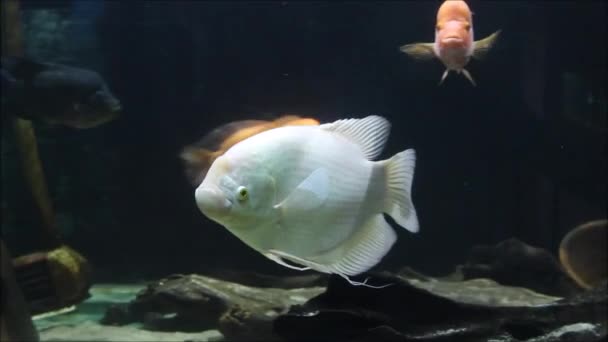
[[484, 45], [420, 51], [197, 162], [467, 74]]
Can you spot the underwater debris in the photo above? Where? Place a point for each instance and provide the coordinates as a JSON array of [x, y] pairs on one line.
[[15, 322], [418, 308], [454, 45], [415, 308], [583, 253], [197, 303], [54, 279], [515, 263]]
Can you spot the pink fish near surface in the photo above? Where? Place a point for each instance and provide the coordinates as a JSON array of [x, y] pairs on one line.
[[454, 43]]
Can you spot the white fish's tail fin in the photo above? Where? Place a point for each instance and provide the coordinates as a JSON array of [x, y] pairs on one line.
[[398, 199]]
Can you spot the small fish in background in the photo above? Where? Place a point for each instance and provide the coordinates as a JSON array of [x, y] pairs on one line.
[[454, 43], [198, 157], [313, 196], [56, 93]]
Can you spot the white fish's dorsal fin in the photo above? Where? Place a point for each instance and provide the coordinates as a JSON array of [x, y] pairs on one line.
[[308, 195], [370, 133]]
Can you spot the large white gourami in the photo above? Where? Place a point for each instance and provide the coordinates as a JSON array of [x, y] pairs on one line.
[[320, 194]]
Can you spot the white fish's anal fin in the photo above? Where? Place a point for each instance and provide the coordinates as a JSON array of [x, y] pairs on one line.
[[369, 133], [308, 196], [272, 255], [362, 251], [399, 177], [484, 45], [467, 74], [359, 253], [420, 51], [445, 74]]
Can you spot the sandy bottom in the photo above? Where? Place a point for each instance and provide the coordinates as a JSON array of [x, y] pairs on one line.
[[82, 324]]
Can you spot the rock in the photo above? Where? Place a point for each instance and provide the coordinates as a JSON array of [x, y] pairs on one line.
[[91, 331], [515, 263], [197, 303], [419, 308], [264, 280]]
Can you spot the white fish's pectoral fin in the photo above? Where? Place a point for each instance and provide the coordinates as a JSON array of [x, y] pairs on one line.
[[369, 133], [308, 195], [398, 199], [364, 283], [274, 256], [484, 45], [420, 51], [445, 74], [467, 74]]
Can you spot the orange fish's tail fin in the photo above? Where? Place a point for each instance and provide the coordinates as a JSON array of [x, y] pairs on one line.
[[466, 74], [443, 77], [197, 162], [484, 45]]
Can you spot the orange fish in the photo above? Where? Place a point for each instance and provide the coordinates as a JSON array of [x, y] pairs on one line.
[[199, 156], [454, 43]]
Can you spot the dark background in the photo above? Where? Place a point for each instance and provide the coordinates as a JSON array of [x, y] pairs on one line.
[[495, 161]]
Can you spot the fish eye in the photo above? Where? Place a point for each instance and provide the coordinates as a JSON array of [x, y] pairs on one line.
[[242, 193]]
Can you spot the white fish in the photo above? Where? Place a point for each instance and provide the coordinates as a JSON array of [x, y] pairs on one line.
[[311, 195]]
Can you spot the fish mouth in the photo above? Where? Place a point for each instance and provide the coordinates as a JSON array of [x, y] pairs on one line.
[[115, 107], [211, 201], [452, 40]]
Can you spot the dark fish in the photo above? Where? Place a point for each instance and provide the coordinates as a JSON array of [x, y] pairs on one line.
[[199, 156], [56, 93]]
